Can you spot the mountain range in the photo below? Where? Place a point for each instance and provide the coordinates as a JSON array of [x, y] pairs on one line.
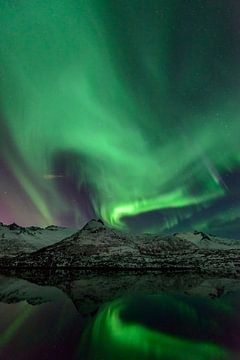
[[16, 240], [97, 246]]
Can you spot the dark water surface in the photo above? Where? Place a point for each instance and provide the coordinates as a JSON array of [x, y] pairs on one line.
[[80, 315]]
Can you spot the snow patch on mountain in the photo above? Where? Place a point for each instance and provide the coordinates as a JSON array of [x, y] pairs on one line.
[[206, 241], [15, 239]]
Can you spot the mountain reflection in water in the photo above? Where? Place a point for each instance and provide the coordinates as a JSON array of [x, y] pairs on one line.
[[56, 321]]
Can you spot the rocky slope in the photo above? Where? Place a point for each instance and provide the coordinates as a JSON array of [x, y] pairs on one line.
[[96, 246], [15, 239]]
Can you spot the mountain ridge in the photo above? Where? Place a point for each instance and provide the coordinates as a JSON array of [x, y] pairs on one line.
[[16, 239], [97, 246]]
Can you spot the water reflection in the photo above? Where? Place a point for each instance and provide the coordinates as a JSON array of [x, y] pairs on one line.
[[118, 316], [166, 326]]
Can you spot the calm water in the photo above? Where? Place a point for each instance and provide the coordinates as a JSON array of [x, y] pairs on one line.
[[118, 316]]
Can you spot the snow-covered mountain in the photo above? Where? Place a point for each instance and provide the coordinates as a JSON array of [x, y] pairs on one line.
[[206, 241], [96, 246], [15, 239]]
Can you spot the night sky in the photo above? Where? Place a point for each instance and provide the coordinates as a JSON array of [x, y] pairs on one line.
[[124, 110]]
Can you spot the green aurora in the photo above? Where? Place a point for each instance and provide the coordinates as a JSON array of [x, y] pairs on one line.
[[140, 97]]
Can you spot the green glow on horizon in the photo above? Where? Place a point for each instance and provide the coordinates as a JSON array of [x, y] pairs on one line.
[[81, 78], [112, 338]]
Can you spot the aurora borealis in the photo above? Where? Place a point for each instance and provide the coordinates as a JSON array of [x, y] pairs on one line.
[[128, 111]]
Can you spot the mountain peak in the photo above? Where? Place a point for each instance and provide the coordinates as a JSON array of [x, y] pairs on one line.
[[14, 226], [94, 225]]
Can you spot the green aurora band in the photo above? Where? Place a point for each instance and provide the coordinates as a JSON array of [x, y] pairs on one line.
[[154, 116], [110, 337]]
